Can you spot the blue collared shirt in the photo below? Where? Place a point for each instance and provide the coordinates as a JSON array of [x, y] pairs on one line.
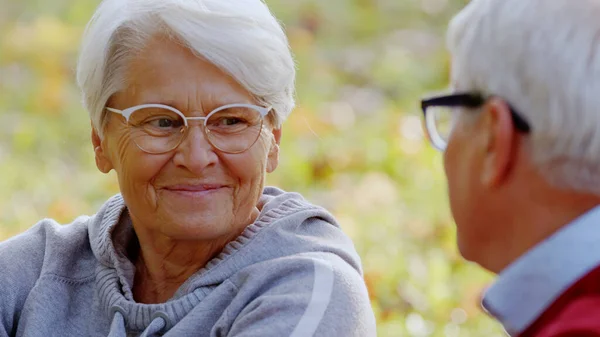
[[528, 286]]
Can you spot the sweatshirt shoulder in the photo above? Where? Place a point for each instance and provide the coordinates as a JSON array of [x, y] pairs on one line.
[[318, 294], [47, 247], [294, 225]]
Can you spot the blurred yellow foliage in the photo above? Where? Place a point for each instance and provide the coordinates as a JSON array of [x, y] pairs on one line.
[[354, 144]]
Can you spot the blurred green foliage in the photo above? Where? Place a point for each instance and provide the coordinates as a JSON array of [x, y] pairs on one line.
[[354, 144]]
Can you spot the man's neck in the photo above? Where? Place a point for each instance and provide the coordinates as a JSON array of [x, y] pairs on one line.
[[530, 223]]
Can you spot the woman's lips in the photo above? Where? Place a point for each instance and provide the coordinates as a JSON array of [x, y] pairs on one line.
[[194, 190]]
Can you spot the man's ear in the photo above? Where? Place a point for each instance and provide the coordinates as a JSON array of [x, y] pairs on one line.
[[273, 157], [500, 137], [102, 160]]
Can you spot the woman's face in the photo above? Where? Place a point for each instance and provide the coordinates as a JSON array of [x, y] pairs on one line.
[[194, 192]]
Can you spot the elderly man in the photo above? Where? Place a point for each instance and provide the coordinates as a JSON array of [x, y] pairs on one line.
[[521, 140]]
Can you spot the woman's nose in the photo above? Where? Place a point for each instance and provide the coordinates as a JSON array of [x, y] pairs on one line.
[[195, 151]]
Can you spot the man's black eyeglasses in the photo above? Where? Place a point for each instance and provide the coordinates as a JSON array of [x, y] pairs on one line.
[[440, 113]]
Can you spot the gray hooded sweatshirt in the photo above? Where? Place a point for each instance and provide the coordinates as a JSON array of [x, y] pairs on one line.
[[290, 273]]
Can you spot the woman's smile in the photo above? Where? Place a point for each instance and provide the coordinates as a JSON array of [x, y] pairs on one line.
[[195, 191]]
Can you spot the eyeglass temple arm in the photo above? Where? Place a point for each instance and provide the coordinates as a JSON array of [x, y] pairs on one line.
[[472, 101]]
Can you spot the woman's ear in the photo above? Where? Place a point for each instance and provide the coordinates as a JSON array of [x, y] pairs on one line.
[[102, 160], [273, 157]]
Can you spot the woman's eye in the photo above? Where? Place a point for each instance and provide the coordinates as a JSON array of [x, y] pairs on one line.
[[164, 123], [230, 121]]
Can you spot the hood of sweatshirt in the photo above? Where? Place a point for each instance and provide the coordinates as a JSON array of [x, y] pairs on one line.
[[286, 220]]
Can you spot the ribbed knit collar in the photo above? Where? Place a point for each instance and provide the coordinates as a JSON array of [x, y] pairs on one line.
[[110, 229]]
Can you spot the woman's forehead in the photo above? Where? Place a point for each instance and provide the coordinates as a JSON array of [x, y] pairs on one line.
[[167, 72]]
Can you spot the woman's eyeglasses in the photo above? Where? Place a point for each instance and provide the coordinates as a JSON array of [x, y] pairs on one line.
[[158, 128]]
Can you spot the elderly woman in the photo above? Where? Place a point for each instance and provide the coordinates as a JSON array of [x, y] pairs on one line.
[[187, 99]]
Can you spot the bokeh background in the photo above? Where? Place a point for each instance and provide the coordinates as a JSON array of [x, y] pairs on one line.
[[354, 144]]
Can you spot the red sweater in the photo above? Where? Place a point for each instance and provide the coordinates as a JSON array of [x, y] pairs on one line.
[[576, 313]]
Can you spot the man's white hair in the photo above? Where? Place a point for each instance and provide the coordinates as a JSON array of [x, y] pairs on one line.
[[241, 37], [543, 58]]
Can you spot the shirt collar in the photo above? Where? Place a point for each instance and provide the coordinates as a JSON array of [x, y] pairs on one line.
[[528, 286]]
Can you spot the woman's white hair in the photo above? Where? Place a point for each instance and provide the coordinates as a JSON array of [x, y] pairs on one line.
[[542, 57], [241, 37]]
